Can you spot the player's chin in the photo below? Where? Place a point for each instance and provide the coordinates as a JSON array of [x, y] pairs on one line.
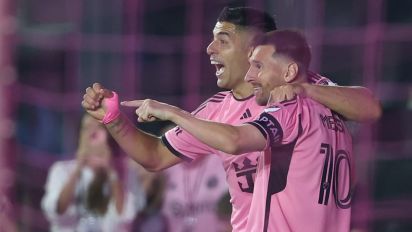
[[221, 83]]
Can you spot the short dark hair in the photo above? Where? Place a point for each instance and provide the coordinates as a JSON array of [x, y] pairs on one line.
[[248, 17], [290, 43]]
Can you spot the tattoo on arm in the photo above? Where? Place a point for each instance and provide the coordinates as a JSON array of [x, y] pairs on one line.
[[120, 127]]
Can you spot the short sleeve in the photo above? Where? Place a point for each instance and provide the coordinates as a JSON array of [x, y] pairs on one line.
[[184, 145]]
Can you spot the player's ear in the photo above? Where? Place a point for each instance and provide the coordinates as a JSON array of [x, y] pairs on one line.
[[292, 72]]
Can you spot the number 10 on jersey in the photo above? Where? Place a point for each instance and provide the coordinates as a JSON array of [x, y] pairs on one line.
[[337, 166]]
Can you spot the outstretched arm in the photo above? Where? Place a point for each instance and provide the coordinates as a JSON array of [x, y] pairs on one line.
[[227, 138], [144, 148], [355, 103]]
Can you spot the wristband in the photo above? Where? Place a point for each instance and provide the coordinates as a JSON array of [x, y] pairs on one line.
[[112, 107]]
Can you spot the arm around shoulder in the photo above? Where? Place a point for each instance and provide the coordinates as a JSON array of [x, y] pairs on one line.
[[355, 103]]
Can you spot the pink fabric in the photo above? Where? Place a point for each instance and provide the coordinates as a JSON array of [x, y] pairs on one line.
[[112, 108], [241, 169], [192, 195], [297, 188]]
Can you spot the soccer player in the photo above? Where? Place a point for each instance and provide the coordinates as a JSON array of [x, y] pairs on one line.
[[229, 52], [304, 179]]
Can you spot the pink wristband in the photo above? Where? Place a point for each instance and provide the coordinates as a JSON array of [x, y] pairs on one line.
[[112, 107]]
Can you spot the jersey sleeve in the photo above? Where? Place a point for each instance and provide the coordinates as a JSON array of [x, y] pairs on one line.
[[183, 144], [279, 123]]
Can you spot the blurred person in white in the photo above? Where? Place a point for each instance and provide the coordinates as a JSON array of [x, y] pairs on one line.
[[86, 194]]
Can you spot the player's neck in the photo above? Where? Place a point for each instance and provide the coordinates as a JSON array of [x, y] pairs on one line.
[[242, 91], [301, 79]]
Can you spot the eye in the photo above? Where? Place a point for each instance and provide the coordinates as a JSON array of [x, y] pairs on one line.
[[223, 42]]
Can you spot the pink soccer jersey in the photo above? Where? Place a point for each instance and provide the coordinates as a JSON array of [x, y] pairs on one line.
[[240, 170], [303, 181]]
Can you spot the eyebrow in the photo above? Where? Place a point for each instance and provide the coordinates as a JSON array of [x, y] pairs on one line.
[[223, 33]]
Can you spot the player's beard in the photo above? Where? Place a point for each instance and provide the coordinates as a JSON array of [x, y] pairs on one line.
[[98, 193], [262, 98]]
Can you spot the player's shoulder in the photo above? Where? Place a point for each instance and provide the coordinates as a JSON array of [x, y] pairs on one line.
[[283, 105], [218, 97], [290, 108], [213, 101]]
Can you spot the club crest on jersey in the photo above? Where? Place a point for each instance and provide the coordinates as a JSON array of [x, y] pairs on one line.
[[246, 170]]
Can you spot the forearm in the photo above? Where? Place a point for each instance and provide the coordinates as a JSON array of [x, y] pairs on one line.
[[220, 136], [67, 193], [142, 147], [354, 103]]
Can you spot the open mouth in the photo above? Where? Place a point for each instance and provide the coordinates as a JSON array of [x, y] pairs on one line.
[[257, 89], [220, 68]]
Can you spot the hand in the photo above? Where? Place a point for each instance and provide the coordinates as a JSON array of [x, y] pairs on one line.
[[150, 110], [95, 101], [94, 156], [285, 93], [98, 161]]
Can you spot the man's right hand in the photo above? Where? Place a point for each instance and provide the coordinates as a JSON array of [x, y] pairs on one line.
[[93, 101], [150, 110]]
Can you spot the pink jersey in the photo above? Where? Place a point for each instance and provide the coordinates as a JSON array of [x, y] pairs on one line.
[[192, 194], [303, 181], [240, 170]]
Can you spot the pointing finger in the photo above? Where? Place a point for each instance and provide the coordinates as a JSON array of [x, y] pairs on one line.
[[134, 103]]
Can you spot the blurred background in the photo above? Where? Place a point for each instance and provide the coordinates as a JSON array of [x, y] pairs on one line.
[[51, 50]]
